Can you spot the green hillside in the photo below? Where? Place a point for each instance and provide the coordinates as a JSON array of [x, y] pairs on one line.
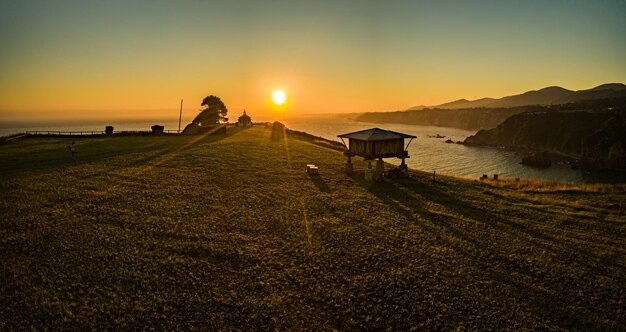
[[230, 232]]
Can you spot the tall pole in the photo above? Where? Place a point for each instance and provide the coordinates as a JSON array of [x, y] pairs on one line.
[[181, 115]]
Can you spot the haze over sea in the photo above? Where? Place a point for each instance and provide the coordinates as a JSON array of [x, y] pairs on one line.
[[75, 126]]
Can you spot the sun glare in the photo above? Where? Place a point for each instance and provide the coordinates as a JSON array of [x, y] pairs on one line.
[[279, 97]]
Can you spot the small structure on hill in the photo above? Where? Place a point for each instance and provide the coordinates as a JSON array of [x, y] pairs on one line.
[[157, 129], [244, 120], [373, 144], [278, 131]]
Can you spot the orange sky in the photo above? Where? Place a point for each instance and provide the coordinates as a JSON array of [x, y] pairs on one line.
[[118, 60]]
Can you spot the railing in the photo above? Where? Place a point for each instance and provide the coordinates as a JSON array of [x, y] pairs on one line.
[[95, 132], [74, 133]]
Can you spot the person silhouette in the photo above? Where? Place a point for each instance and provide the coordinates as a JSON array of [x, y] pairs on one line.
[[72, 149]]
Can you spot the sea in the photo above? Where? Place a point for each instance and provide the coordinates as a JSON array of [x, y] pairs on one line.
[[7, 129], [427, 152]]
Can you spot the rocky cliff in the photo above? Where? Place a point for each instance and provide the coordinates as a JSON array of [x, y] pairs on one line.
[[597, 138], [606, 148]]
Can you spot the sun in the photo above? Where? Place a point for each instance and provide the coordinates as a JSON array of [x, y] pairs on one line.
[[279, 97]]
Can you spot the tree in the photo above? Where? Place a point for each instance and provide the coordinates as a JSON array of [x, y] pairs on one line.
[[213, 111]]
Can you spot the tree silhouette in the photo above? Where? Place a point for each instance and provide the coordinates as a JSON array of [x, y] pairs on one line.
[[213, 111]]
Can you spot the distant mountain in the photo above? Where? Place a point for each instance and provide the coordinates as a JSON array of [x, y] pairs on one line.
[[604, 97], [611, 90], [417, 108], [608, 86], [545, 96], [468, 118], [553, 95], [464, 103]]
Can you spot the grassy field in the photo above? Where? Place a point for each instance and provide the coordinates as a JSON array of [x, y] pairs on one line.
[[229, 232]]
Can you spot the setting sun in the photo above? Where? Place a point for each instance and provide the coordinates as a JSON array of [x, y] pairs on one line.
[[279, 97]]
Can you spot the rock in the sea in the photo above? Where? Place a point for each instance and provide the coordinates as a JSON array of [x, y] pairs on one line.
[[538, 159]]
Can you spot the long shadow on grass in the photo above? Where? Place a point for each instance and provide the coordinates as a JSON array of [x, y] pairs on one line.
[[485, 245], [160, 152], [549, 237], [68, 161]]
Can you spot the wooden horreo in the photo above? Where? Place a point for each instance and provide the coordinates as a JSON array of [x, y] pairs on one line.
[[374, 144]]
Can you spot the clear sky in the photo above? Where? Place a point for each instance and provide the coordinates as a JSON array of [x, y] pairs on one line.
[[110, 59]]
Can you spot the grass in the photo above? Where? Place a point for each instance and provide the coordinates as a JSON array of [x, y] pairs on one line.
[[229, 232], [540, 186]]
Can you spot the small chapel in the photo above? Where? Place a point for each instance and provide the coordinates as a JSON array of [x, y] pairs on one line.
[[244, 120]]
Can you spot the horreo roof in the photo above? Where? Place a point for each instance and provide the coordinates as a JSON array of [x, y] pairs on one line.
[[375, 134]]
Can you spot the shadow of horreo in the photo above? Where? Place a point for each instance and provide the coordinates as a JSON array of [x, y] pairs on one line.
[[499, 241]]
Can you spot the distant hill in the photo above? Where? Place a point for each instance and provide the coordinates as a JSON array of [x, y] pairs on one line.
[[488, 113], [417, 108], [552, 95], [464, 103], [470, 119]]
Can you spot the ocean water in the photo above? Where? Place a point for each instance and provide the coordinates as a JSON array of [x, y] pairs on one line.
[[433, 154], [9, 129]]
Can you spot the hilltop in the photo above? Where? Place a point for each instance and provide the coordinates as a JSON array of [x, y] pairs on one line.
[[229, 232], [487, 113], [552, 95]]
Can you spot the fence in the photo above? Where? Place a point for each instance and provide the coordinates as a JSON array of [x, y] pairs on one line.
[[95, 132]]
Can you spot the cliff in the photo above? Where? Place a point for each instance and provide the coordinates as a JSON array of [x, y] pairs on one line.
[[470, 119], [606, 148], [597, 138]]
